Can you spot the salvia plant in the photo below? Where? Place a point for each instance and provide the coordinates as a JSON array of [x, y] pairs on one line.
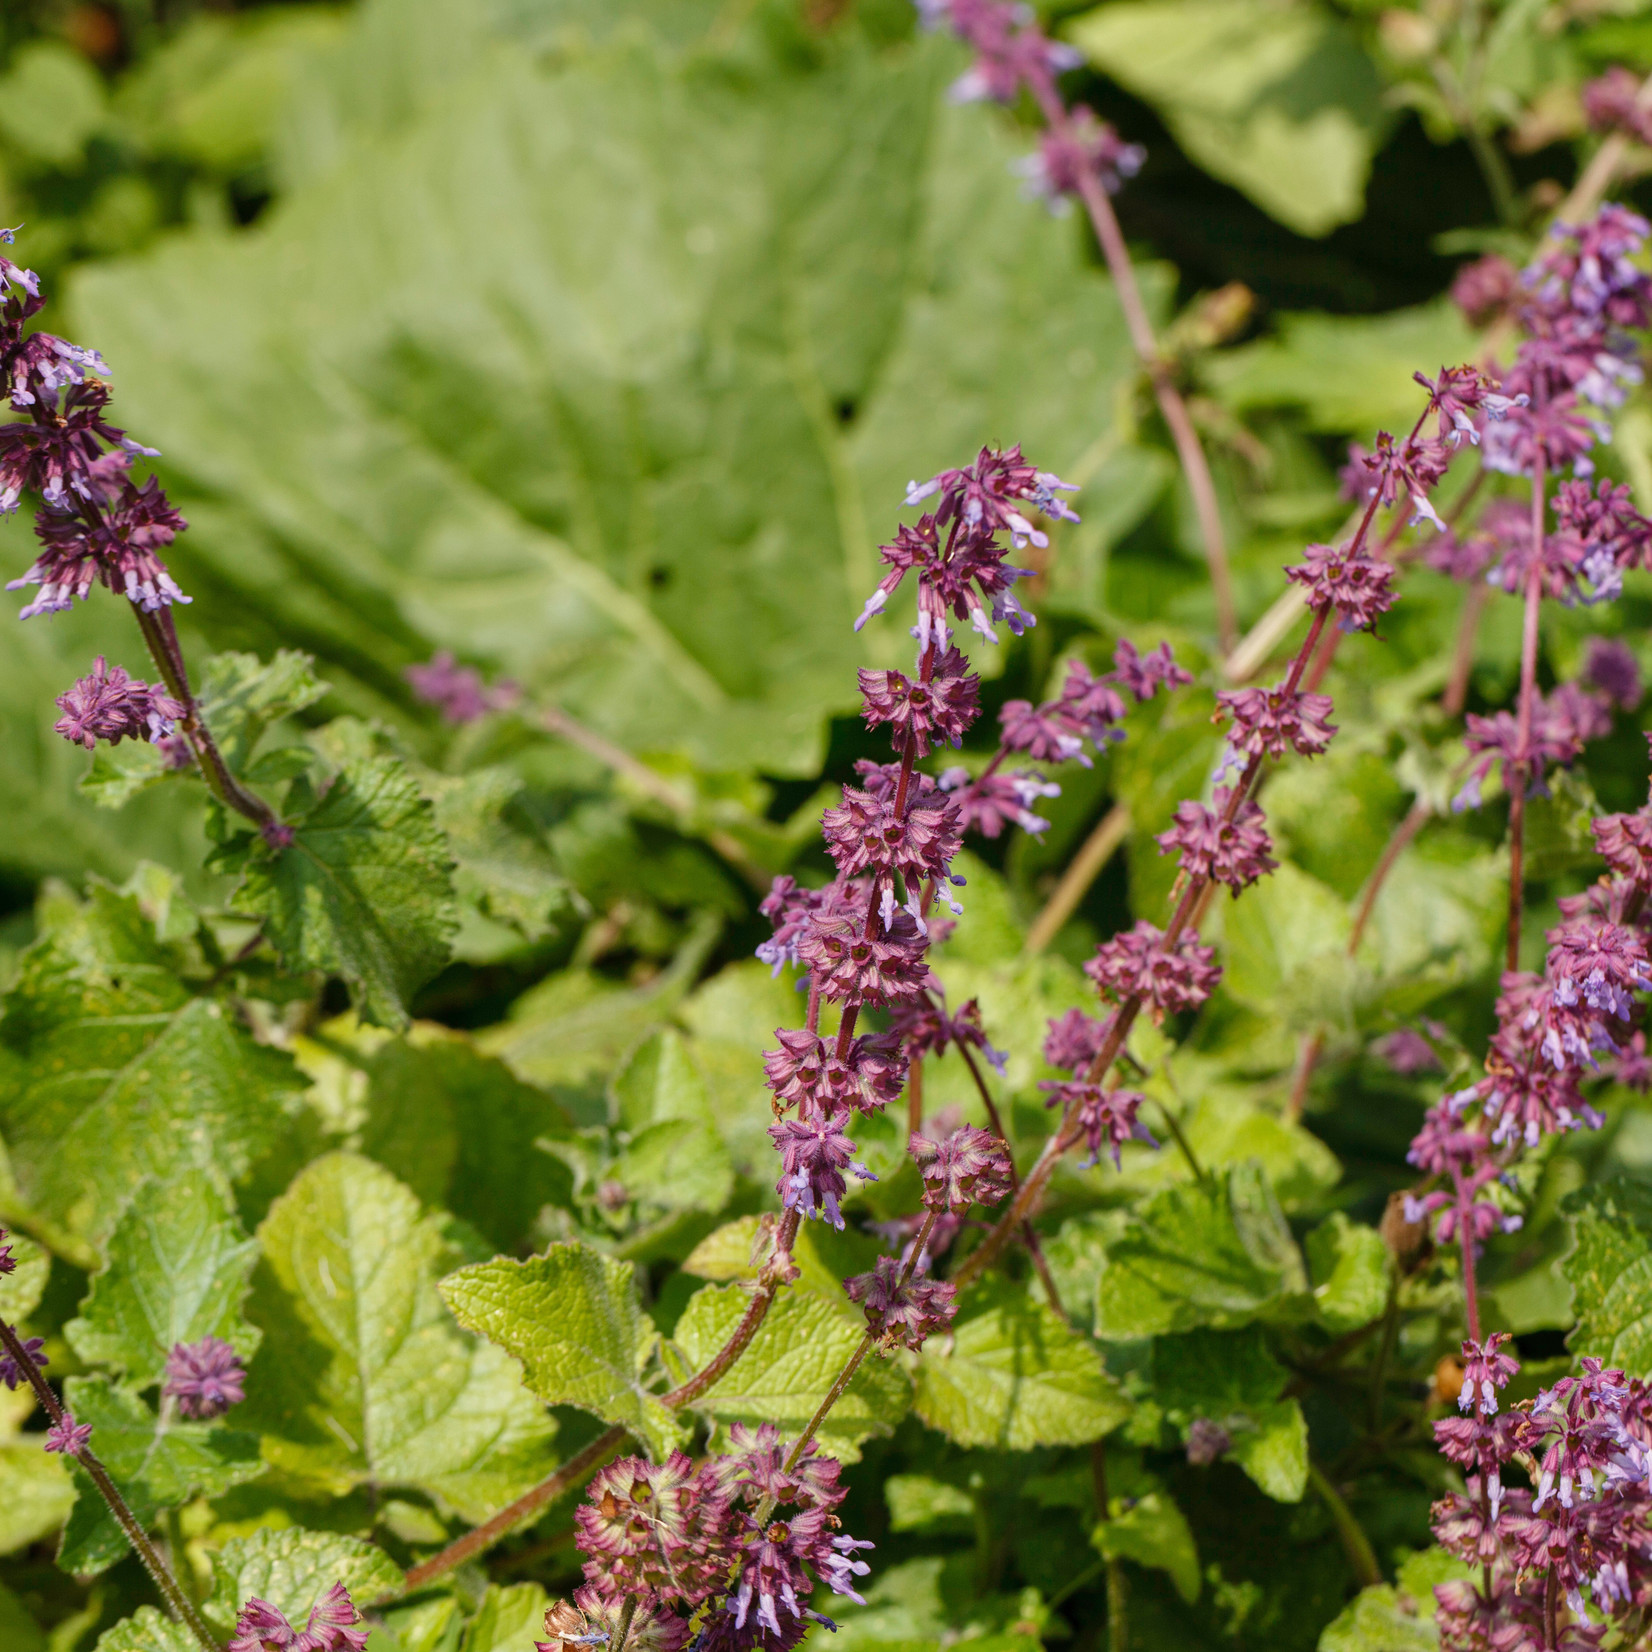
[[343, 1432]]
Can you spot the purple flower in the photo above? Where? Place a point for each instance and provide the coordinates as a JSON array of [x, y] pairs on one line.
[[995, 801], [334, 1625], [969, 1166], [110, 705], [1074, 1040], [1270, 721], [457, 691], [1081, 147], [1010, 50], [1105, 1118], [1357, 586], [924, 712], [814, 1153], [8, 1262], [1229, 851], [1486, 289], [864, 834], [204, 1377], [1610, 666], [1206, 1441], [593, 1619], [652, 1529], [1044, 733], [11, 1374], [1135, 964], [67, 1437], [1484, 1372], [1601, 963], [807, 1073], [925, 1028], [1610, 103], [848, 963], [902, 1315], [1407, 1052], [1625, 844]]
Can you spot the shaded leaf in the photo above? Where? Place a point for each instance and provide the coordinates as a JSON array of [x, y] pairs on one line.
[[919, 1504], [293, 1568], [1152, 1531], [1216, 1253], [147, 1631], [1610, 1272], [1351, 1269], [509, 1617]]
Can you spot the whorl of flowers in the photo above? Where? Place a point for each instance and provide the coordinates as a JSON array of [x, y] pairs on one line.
[[334, 1625]]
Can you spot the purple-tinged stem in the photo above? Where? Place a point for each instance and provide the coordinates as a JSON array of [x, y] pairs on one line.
[[177, 1601], [1528, 700], [1465, 1237]]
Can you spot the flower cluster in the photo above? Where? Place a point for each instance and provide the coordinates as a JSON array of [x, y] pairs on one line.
[[741, 1536], [204, 1378], [1562, 723], [95, 525], [903, 1307], [334, 1625], [1612, 104], [457, 691], [1106, 1119], [109, 705]]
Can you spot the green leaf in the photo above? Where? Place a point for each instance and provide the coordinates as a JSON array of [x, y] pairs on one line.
[[119, 773], [1351, 1269], [1350, 374], [1273, 1451], [783, 1374], [510, 890], [1152, 1531], [1277, 100], [177, 1268], [676, 1158], [293, 1568], [157, 1465], [461, 1130], [241, 696], [1285, 948], [18, 1630], [1217, 1253], [22, 1288], [112, 1071], [920, 1504], [36, 1493], [147, 1631], [855, 248], [1380, 1619], [572, 1318], [364, 891], [1610, 1272], [1012, 1376], [508, 1618], [362, 1379], [52, 102]]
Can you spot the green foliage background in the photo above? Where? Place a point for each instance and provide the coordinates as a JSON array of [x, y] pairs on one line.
[[596, 343]]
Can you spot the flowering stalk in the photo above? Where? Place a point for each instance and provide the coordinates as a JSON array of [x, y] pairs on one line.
[[1082, 156], [1527, 706], [70, 1438]]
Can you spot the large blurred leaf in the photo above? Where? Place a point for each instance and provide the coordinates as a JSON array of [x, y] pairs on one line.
[[112, 1070], [1277, 99], [1610, 1271], [293, 1568], [687, 314], [363, 1378]]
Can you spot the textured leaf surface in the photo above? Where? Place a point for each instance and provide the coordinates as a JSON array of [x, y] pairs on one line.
[[241, 696], [36, 1492], [1380, 1619], [782, 1376], [1218, 1253], [293, 1568], [147, 1631], [111, 1070], [1351, 1269], [365, 889], [156, 1465], [362, 1377], [572, 1317], [177, 1268], [1012, 1376], [1610, 1272], [508, 1618]]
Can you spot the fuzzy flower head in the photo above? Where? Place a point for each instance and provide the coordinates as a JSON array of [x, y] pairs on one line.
[[864, 834], [925, 1028], [1011, 51], [806, 1072], [1486, 289], [1169, 980], [1485, 1370], [814, 1154], [1268, 722], [902, 1315], [997, 801], [205, 1377], [1106, 1119], [653, 1528], [1084, 147], [1357, 586], [1226, 843], [1610, 667], [457, 691], [1611, 103], [11, 1373], [883, 968], [334, 1625], [1074, 1040], [969, 1166], [68, 1437], [928, 712], [109, 705]]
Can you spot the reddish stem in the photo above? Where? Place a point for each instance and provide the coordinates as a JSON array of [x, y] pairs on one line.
[[1528, 698]]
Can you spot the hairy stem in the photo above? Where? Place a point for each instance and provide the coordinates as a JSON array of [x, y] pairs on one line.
[[1355, 1544], [161, 636], [1028, 1233], [177, 1601], [1082, 871], [1528, 700]]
